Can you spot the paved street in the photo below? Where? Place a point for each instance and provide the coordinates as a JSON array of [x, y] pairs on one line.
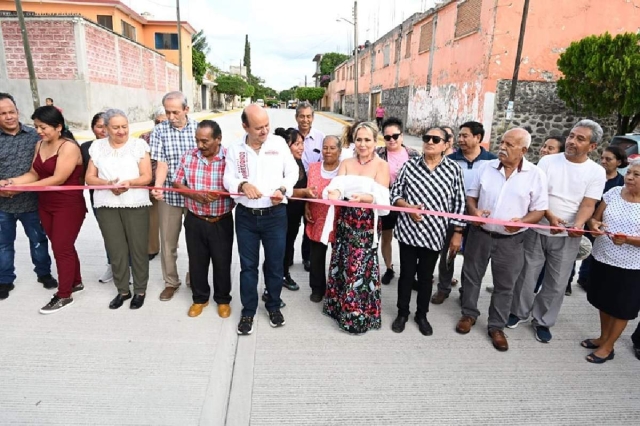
[[89, 365]]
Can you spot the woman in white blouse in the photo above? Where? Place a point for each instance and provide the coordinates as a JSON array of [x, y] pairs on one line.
[[353, 288], [614, 279], [123, 212]]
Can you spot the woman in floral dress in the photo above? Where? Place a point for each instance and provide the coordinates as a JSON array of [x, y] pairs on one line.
[[353, 286]]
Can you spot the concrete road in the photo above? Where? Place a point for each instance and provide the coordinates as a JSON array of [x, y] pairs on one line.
[[89, 365]]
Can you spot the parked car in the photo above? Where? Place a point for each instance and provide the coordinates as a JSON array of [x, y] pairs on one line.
[[260, 102], [292, 104], [630, 143]]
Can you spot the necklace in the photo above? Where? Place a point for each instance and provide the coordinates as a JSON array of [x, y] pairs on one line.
[[366, 162]]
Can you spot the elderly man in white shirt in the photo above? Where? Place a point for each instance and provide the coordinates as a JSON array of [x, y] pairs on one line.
[[510, 189], [575, 186], [261, 171]]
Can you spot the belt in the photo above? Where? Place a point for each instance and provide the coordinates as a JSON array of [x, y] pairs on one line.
[[497, 235], [211, 219], [265, 211]]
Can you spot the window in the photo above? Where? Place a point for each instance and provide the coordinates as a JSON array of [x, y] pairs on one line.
[[128, 30], [362, 66], [468, 20], [386, 55], [426, 36], [373, 60], [396, 57], [166, 41], [407, 48], [106, 21]]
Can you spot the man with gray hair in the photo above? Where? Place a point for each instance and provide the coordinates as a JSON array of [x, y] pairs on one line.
[[575, 185], [512, 189], [169, 141]]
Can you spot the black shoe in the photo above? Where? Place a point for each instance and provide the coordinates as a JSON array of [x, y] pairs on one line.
[[48, 282], [424, 326], [5, 289], [77, 288], [245, 326], [567, 292], [307, 265], [276, 319], [398, 324], [289, 283], [119, 300], [388, 276], [152, 256], [137, 301], [316, 298], [266, 297], [637, 351]]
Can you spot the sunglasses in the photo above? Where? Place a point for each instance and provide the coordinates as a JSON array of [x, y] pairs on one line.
[[435, 139], [394, 136]]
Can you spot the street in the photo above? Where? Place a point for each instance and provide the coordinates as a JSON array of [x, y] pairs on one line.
[[89, 365]]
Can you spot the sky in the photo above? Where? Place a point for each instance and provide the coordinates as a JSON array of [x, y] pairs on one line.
[[284, 35]]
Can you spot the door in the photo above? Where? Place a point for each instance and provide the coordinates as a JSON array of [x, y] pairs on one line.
[[374, 101]]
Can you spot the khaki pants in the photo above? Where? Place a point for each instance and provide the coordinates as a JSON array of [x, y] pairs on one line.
[[154, 228], [170, 227]]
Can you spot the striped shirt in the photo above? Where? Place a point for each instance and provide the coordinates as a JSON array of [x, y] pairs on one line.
[[168, 145], [439, 190], [198, 173]]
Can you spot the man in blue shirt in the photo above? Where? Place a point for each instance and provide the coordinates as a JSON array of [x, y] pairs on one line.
[[17, 147]]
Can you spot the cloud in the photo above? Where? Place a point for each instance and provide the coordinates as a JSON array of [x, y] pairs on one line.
[[285, 35]]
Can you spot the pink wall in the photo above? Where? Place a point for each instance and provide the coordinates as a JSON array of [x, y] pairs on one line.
[[101, 48], [53, 49]]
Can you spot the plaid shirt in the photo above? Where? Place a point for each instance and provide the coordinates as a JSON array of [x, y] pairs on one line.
[[197, 172], [168, 145]]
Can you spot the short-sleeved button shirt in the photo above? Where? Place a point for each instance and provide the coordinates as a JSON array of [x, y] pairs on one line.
[[16, 156]]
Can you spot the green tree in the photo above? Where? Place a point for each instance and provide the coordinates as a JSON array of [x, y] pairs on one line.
[[310, 94], [249, 92], [330, 61], [602, 77], [230, 86], [286, 95], [199, 50], [247, 56]]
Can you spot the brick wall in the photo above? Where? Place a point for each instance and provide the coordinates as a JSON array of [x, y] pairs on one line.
[[148, 64], [173, 79], [161, 73], [130, 64], [101, 54], [53, 49]]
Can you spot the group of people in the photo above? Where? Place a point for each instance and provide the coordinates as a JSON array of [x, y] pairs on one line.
[[266, 177]]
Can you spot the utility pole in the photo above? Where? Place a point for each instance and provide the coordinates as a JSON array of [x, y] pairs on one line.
[[305, 81], [27, 53], [516, 67], [179, 42], [355, 57]]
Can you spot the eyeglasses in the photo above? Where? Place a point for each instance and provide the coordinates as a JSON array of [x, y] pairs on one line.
[[435, 139], [394, 136]]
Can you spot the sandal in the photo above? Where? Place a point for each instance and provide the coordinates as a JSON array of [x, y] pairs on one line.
[[594, 359], [588, 344]]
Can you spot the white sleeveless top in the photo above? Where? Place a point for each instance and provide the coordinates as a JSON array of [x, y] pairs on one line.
[[122, 164]]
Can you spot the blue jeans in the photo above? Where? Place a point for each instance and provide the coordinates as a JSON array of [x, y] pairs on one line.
[[38, 244], [271, 230]]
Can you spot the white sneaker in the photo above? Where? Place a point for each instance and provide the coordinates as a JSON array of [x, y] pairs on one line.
[[107, 276]]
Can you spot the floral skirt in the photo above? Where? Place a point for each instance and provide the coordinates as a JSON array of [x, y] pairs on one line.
[[353, 285]]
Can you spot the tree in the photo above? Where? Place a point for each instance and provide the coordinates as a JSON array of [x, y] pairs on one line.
[[230, 86], [286, 95], [249, 92], [199, 50], [602, 77], [328, 63], [247, 56], [310, 94]]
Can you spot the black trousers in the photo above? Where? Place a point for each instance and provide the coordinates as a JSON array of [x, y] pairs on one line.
[[293, 227], [635, 337], [209, 243], [318, 272], [412, 260]]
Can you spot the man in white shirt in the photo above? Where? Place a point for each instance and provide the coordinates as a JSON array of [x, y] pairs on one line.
[[511, 189], [261, 171], [312, 153], [575, 186]]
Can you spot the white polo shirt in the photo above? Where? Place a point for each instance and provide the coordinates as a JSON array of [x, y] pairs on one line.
[[568, 184], [271, 168], [524, 191]]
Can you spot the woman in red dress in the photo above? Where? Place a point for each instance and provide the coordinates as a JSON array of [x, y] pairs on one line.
[[58, 162]]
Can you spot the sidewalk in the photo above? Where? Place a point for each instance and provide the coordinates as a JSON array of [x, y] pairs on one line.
[[136, 129]]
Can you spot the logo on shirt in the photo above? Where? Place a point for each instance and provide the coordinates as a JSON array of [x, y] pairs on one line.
[[272, 152], [243, 168]]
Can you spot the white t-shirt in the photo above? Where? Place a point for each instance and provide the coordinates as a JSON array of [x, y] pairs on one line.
[[122, 164], [569, 183], [525, 191], [621, 217]]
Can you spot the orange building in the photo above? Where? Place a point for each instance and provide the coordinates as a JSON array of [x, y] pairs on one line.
[[161, 36], [455, 62]]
